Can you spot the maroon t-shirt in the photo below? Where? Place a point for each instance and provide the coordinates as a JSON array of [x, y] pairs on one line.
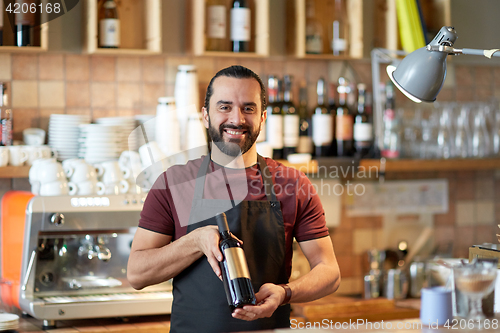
[[168, 203]]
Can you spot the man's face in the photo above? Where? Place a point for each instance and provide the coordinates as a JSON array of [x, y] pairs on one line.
[[235, 116]]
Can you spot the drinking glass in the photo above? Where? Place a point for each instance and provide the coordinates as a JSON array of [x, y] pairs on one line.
[[445, 145], [462, 135], [476, 280], [480, 136]]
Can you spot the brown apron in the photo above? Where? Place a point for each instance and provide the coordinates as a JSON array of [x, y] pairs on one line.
[[200, 303]]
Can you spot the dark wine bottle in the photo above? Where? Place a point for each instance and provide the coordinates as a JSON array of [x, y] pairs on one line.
[[24, 22], [274, 126], [363, 129], [109, 25], [322, 122], [240, 26], [235, 274], [291, 120], [344, 121]]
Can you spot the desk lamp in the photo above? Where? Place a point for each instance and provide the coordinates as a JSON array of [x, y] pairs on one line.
[[420, 75]]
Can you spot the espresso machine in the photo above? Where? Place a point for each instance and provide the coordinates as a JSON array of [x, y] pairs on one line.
[[65, 257]]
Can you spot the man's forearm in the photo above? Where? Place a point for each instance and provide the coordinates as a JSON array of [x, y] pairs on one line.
[[322, 280], [152, 266]]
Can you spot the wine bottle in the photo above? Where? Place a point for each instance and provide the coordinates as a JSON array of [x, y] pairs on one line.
[[5, 117], [322, 122], [344, 121], [332, 107], [1, 22], [305, 145], [24, 23], [109, 25], [235, 273], [291, 120], [363, 129], [240, 26], [314, 31], [216, 25], [339, 38], [274, 124]]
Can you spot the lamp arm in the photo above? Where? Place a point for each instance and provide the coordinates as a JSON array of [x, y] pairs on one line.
[[451, 50]]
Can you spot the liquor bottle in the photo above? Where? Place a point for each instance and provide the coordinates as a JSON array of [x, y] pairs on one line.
[[24, 22], [344, 121], [240, 26], [322, 122], [235, 274], [340, 29], [314, 31], [274, 125], [216, 25], [109, 25], [363, 129], [291, 119], [391, 140], [5, 117], [1, 22], [305, 145], [332, 107]]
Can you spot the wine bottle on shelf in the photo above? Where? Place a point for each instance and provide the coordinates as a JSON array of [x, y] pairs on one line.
[[1, 22], [24, 23], [240, 26], [314, 30], [291, 121], [216, 25], [235, 273], [109, 25], [391, 139], [5, 117], [305, 145], [363, 128], [332, 107], [274, 125], [344, 121], [322, 122], [339, 39]]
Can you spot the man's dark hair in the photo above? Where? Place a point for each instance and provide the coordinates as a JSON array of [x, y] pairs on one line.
[[237, 72]]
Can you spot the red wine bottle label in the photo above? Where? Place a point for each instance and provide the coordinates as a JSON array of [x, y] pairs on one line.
[[322, 129], [240, 24], [216, 22], [291, 130], [274, 128], [344, 127], [236, 263], [363, 132]]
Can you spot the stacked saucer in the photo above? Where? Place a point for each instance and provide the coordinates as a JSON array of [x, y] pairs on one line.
[[100, 143], [126, 126], [64, 132], [9, 321]]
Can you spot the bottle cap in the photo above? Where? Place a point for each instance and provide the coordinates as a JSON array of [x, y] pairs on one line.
[[222, 222], [166, 100]]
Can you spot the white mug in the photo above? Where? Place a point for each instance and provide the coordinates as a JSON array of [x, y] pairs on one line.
[[117, 188], [47, 151], [131, 160], [4, 156], [114, 172], [18, 155], [81, 171], [34, 136], [48, 171], [90, 187], [33, 152], [58, 188]]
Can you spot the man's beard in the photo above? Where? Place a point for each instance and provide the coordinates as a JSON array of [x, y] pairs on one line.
[[233, 147]]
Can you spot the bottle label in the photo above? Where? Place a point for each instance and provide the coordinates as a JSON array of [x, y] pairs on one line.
[[291, 129], [363, 132], [240, 24], [340, 45], [344, 127], [314, 44], [274, 128], [322, 129], [236, 263], [305, 145], [216, 22], [109, 32]]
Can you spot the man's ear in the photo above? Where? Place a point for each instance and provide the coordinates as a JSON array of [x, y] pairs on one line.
[[264, 116], [205, 116]]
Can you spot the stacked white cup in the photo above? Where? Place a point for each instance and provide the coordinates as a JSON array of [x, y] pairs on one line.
[[138, 178], [153, 160], [4, 156], [167, 132], [114, 176], [48, 177], [84, 175], [186, 92]]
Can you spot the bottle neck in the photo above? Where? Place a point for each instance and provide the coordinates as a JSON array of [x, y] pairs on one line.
[[226, 234]]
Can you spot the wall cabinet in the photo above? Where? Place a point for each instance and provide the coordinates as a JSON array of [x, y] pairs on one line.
[[140, 27]]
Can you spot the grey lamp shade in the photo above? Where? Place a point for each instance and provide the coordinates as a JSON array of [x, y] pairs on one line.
[[420, 75]]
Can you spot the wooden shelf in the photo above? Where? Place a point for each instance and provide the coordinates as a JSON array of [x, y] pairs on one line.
[[14, 171], [140, 28], [407, 165]]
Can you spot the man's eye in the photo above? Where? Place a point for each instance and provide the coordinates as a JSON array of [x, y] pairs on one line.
[[224, 108], [249, 109]]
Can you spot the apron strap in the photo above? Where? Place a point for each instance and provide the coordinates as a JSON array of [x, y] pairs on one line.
[[267, 179]]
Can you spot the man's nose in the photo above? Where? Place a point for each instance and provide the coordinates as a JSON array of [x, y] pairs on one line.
[[236, 117]]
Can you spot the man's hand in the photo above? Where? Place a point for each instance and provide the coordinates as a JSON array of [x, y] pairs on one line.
[[269, 297]]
